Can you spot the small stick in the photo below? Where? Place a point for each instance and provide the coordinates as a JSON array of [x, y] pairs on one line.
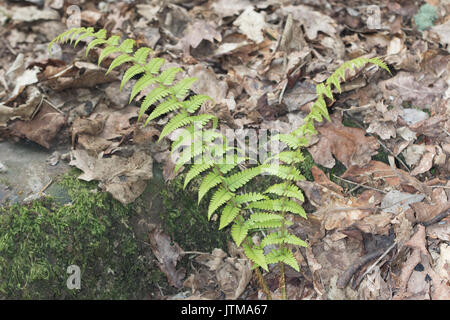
[[46, 186], [53, 106], [348, 274], [436, 219], [378, 260], [360, 185]]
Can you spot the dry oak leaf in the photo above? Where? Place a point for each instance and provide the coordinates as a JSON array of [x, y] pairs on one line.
[[123, 177], [349, 145]]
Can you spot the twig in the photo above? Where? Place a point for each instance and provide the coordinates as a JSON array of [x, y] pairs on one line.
[[344, 279], [360, 185], [378, 260], [46, 186], [436, 219], [53, 106]]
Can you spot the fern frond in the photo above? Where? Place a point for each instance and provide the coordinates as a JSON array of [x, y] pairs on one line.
[[256, 255], [141, 55], [283, 255], [239, 232], [168, 75], [195, 102], [291, 140], [196, 170], [229, 213], [164, 107], [181, 88], [276, 238], [221, 196], [282, 205], [130, 73], [249, 197], [282, 171], [209, 182], [239, 179], [124, 58], [141, 84], [283, 190], [155, 95], [288, 157], [154, 65]]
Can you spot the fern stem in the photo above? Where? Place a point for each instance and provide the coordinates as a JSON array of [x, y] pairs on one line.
[[282, 281], [262, 283]]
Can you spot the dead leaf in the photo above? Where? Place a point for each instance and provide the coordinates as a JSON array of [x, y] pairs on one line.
[[168, 255], [251, 23], [44, 127], [313, 21], [201, 30], [227, 8], [349, 145], [123, 177]]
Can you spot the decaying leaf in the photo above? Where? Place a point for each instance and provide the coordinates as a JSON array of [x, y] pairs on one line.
[[168, 255], [124, 177], [349, 145]]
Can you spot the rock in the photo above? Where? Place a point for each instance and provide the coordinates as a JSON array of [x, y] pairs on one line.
[[3, 168]]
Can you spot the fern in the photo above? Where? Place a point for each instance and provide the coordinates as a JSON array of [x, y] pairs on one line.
[[248, 212]]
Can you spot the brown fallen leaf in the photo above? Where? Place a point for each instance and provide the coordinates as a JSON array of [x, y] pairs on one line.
[[123, 177], [44, 127], [427, 211], [232, 274], [321, 178], [80, 75], [168, 255], [198, 31], [349, 145]]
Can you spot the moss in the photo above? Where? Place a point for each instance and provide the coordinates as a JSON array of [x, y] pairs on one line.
[[40, 240], [186, 221]]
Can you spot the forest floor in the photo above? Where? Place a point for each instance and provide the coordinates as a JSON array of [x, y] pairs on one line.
[[377, 188]]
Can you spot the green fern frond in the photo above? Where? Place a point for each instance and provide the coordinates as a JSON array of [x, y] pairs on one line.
[[249, 197], [221, 196], [124, 58], [130, 73], [239, 232], [181, 88], [291, 140], [154, 65], [155, 95], [256, 255], [164, 107], [276, 238], [260, 211], [210, 181], [282, 171], [141, 84], [239, 179], [282, 205], [196, 170], [229, 213], [283, 255], [283, 190], [195, 102], [141, 55], [168, 75]]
